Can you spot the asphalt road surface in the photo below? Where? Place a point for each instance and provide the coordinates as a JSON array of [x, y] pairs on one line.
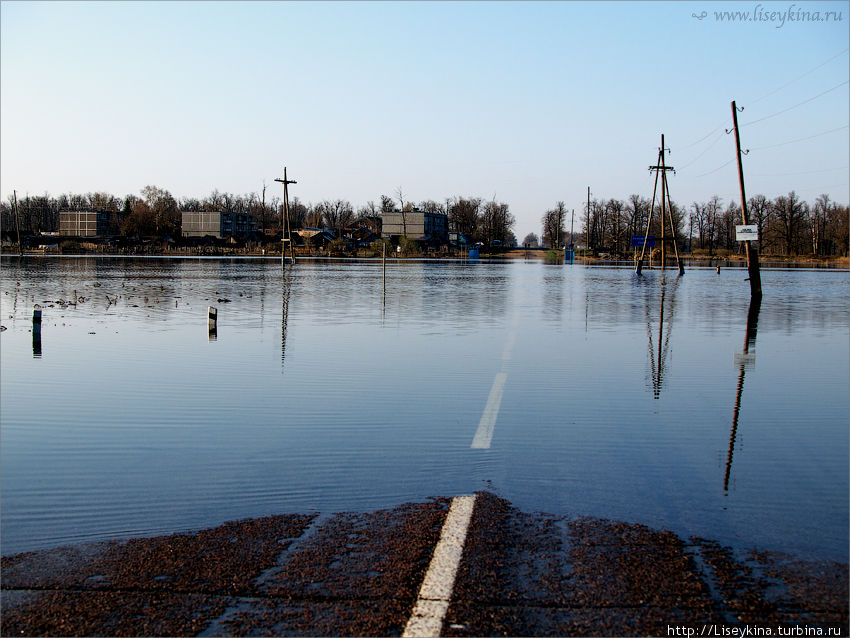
[[465, 566]]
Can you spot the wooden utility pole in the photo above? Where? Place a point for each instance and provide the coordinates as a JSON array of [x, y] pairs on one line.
[[588, 217], [670, 219], [18, 224], [287, 230], [264, 209], [752, 253], [661, 169]]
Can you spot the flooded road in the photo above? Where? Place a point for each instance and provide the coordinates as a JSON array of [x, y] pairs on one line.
[[574, 390]]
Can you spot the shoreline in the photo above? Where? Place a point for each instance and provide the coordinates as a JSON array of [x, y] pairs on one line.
[[690, 261]]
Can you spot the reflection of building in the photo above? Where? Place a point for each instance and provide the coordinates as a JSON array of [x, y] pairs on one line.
[[83, 223], [419, 225], [218, 224]]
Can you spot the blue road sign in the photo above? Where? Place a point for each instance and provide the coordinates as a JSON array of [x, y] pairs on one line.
[[637, 240]]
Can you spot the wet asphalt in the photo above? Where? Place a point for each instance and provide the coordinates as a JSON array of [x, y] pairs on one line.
[[359, 574]]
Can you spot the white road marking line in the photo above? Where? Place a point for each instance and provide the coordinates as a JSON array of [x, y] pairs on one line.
[[436, 590], [484, 434], [509, 346]]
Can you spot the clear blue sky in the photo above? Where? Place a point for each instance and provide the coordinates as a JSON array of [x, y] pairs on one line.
[[530, 102]]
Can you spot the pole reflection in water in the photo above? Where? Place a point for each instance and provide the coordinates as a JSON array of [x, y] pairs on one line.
[[657, 360], [744, 360], [286, 288]]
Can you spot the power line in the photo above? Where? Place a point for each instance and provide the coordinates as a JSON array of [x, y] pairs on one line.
[[707, 149], [716, 169], [821, 170], [801, 139], [707, 135], [776, 90], [767, 117], [800, 77]]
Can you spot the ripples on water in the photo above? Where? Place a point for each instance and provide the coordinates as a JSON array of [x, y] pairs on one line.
[[317, 392]]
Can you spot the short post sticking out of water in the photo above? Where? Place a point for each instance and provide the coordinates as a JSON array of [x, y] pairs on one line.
[[36, 319], [36, 331], [384, 266], [212, 321]]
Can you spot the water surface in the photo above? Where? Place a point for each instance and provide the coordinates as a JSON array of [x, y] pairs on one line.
[[648, 399]]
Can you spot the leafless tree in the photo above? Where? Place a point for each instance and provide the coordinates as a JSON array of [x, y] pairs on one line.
[[637, 211], [430, 206], [758, 209], [297, 213], [790, 215], [404, 208], [553, 225], [337, 214], [496, 223], [464, 216]]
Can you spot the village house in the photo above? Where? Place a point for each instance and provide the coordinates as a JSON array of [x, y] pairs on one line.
[[422, 226], [83, 223], [218, 224]]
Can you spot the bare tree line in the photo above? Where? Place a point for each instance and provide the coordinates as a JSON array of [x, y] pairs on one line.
[[786, 225], [155, 212]]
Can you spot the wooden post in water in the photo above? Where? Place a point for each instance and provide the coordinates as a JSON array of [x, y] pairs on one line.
[[36, 320], [36, 331], [384, 266], [752, 253], [212, 322]]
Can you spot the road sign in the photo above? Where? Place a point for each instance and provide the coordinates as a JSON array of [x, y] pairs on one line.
[[747, 233], [637, 240]]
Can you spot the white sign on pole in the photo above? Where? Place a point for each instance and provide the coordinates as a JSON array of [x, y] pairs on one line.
[[747, 233]]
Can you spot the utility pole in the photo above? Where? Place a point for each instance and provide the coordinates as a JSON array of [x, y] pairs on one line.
[[661, 169], [670, 214], [588, 217], [264, 208], [18, 224], [752, 253], [286, 237]]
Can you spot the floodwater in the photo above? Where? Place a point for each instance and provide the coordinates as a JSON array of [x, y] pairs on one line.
[[658, 399]]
